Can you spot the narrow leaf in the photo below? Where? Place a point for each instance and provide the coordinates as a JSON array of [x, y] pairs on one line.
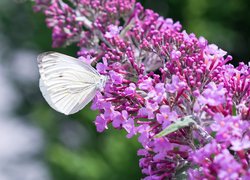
[[234, 110], [178, 124]]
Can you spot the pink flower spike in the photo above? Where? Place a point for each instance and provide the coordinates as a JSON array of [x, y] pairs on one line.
[[241, 143], [113, 31], [176, 85], [87, 60], [115, 77], [129, 127], [213, 95], [101, 123]]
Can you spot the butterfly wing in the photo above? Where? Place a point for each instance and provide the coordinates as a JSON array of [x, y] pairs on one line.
[[66, 83]]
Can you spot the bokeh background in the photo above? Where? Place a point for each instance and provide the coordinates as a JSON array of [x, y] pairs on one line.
[[37, 143]]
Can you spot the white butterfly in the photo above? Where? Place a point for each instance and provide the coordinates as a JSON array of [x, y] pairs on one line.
[[66, 83]]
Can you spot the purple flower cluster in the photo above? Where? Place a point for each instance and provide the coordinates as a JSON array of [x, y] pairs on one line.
[[158, 73]]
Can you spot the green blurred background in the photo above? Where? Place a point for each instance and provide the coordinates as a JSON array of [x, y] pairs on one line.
[[38, 143]]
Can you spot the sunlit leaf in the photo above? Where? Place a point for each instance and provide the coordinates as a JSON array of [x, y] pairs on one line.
[[178, 124]]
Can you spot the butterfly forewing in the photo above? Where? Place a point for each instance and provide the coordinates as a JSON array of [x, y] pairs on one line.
[[66, 83]]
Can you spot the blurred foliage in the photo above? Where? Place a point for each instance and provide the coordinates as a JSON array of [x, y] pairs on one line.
[[74, 150]]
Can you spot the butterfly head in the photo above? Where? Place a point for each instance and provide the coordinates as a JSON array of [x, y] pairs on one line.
[[102, 82]]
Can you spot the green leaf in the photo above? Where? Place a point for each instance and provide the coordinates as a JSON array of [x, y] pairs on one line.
[[213, 134], [181, 174], [234, 111], [178, 124]]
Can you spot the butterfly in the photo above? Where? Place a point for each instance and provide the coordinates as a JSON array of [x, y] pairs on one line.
[[66, 83]]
